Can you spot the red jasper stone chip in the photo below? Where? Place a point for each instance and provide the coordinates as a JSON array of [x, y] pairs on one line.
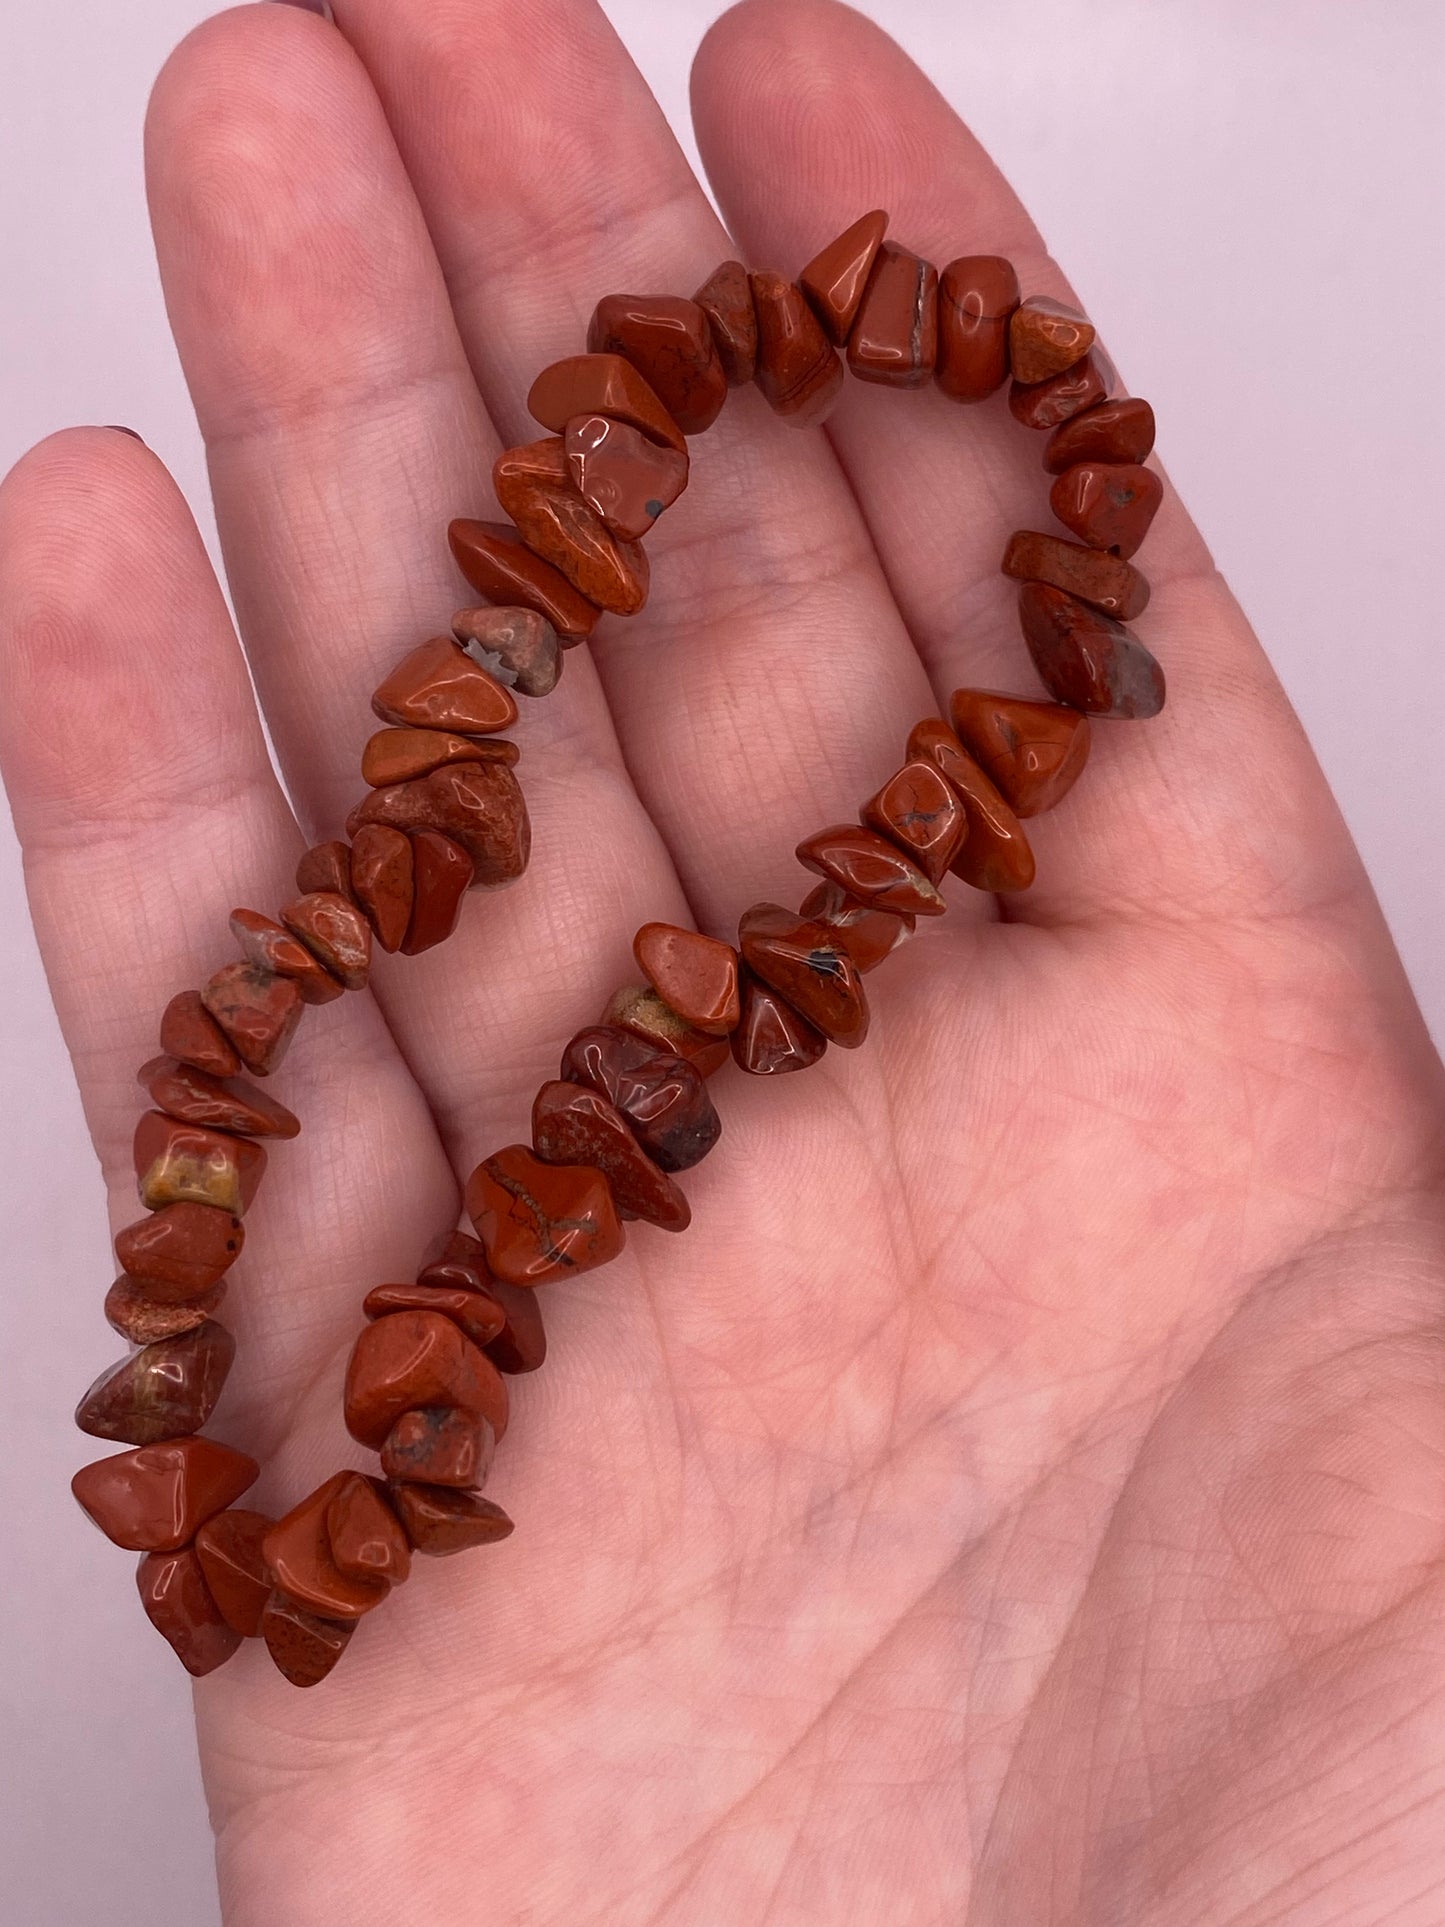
[[517, 646], [443, 873], [1086, 659], [179, 1253], [497, 563], [155, 1498], [333, 929], [1033, 751], [439, 1446], [977, 295], [415, 1358], [727, 300], [696, 976], [521, 1345], [662, 1097], [541, 1221], [325, 869], [144, 1320], [573, 1124], [440, 1520], [190, 1033], [835, 278], [601, 384], [669, 342], [918, 810], [477, 1313], [178, 1603], [870, 867], [894, 339], [771, 1038], [258, 1011], [438, 686], [367, 1540], [194, 1097], [639, 1009], [230, 1551], [297, 1550], [478, 805], [166, 1391], [1110, 431], [179, 1163], [303, 1645], [1106, 582], [806, 963], [867, 934], [1046, 337], [995, 854], [799, 372], [621, 475], [264, 941], [1108, 505]]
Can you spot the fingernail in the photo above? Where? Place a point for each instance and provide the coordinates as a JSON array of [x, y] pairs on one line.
[[126, 431], [311, 6]]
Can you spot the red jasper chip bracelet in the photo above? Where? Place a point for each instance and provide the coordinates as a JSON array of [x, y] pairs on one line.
[[629, 1109]]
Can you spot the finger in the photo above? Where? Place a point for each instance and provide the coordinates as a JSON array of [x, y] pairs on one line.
[[806, 114], [344, 431], [769, 686], [147, 810]]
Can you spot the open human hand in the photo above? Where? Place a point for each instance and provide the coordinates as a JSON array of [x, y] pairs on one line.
[[1018, 1499]]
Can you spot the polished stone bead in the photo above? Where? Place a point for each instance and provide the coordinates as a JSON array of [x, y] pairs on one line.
[[638, 1008], [977, 295], [166, 1391], [297, 1550], [894, 340], [799, 372], [439, 1446], [440, 1520], [663, 1098], [271, 946], [669, 342], [574, 1124], [330, 925], [415, 1358], [1108, 505], [325, 869], [521, 1345], [1110, 431], [179, 1163], [179, 1605], [135, 1314], [439, 686], [917, 810], [303, 1645], [155, 1498], [397, 755], [533, 486], [835, 279], [870, 867], [229, 1547], [1032, 751], [808, 964], [771, 1038], [517, 646], [995, 853], [627, 479], [498, 563], [1104, 581], [541, 1221], [257, 1009], [696, 975], [383, 880], [1086, 659], [177, 1254], [1048, 404], [194, 1097], [189, 1032], [604, 384], [477, 1313], [1045, 337], [478, 805], [443, 874], [726, 298], [367, 1539], [456, 1258], [868, 934]]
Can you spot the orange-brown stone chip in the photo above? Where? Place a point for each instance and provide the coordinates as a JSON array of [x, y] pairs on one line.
[[415, 1358], [229, 1548], [478, 1313], [995, 854], [867, 934], [297, 1550], [179, 1163], [835, 278], [480, 805], [621, 475], [977, 295], [439, 1446], [918, 810], [166, 1391], [144, 1320], [872, 868], [517, 646], [367, 1540], [179, 1605], [771, 1038], [799, 372], [808, 965], [326, 867], [383, 880], [498, 563], [1048, 404], [438, 686], [533, 485], [1086, 659], [638, 1008], [669, 342], [603, 384], [179, 1253], [1110, 431], [269, 944], [895, 337], [573, 1124], [189, 1032], [1045, 337], [727, 301], [1106, 582], [1033, 751], [303, 1645], [696, 976], [396, 755], [439, 1520], [1109, 505], [541, 1221], [183, 1092], [157, 1497], [257, 1010], [329, 924]]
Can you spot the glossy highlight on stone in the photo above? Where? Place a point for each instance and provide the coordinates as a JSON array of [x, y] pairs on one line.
[[229, 1547], [330, 925], [517, 646], [479, 805], [179, 1605], [977, 294], [179, 1163], [477, 1313], [621, 475], [533, 486], [669, 342], [297, 1550], [1106, 582], [835, 278], [639, 1009], [397, 755], [180, 1252], [574, 1124], [258, 1011], [367, 1539], [1088, 660], [155, 1498], [439, 686], [1110, 431], [541, 1221], [439, 1446], [1108, 505], [498, 564], [166, 1391], [1032, 751], [663, 1098], [303, 1645], [1045, 337], [269, 944], [872, 868], [1048, 404], [995, 853], [440, 1520], [894, 340], [696, 975], [190, 1033], [414, 1358], [918, 810], [443, 874], [771, 1038], [603, 384], [383, 880], [867, 934], [808, 965], [799, 372], [726, 298], [136, 1315], [194, 1097]]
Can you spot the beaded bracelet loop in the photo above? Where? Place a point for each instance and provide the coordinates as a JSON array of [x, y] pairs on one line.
[[426, 1385]]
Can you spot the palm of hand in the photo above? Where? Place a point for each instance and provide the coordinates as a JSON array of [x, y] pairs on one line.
[[1015, 1499]]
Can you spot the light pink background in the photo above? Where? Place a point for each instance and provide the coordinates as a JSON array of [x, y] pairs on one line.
[[1247, 194]]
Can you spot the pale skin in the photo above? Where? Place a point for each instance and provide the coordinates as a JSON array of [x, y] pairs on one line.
[[1018, 1499]]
